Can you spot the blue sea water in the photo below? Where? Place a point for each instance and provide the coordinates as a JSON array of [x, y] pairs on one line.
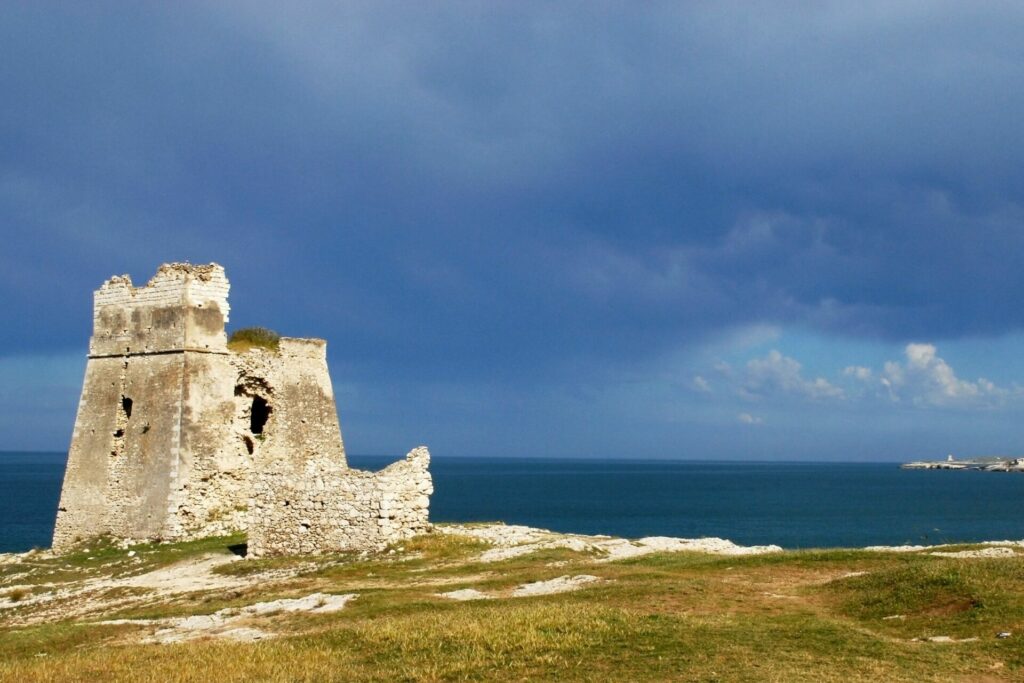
[[29, 491], [796, 505]]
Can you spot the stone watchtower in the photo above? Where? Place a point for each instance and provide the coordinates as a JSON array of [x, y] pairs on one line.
[[179, 437], [153, 354]]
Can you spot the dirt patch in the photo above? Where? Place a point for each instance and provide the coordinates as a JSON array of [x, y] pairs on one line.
[[186, 577], [995, 549], [950, 607], [984, 552], [228, 623], [562, 584], [465, 594], [944, 639], [52, 602]]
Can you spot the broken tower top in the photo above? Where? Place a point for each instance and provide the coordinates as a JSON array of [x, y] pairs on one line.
[[182, 308]]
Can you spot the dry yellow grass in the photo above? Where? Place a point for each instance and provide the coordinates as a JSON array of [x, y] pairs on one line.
[[789, 617]]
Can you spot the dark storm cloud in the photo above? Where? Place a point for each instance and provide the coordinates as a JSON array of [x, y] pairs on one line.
[[480, 190]]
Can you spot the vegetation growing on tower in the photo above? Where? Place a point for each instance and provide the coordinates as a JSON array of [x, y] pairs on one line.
[[249, 337]]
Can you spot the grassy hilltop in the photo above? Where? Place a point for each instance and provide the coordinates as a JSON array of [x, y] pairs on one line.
[[843, 615]]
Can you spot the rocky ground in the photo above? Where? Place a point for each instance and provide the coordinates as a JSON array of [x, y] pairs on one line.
[[106, 595], [37, 588]]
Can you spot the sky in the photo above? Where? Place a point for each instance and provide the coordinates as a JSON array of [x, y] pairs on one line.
[[731, 230]]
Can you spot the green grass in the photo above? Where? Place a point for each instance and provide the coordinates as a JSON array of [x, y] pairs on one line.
[[795, 616], [101, 557], [966, 598], [254, 337]]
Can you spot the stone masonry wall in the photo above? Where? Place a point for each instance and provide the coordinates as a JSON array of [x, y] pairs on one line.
[[296, 386], [177, 437], [211, 490], [155, 353], [305, 498], [183, 307], [328, 508]]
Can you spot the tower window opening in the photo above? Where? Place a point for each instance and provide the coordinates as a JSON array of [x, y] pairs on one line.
[[259, 414]]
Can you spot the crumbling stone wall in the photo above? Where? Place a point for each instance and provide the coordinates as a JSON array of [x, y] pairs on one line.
[[182, 308], [305, 498], [293, 382], [325, 507], [177, 437]]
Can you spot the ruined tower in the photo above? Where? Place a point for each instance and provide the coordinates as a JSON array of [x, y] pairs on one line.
[[177, 436]]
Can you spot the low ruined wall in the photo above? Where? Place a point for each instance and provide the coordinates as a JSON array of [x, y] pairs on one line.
[[326, 508]]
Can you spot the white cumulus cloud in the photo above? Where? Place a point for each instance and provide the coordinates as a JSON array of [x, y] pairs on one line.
[[858, 372], [776, 373], [926, 379], [748, 419], [922, 378], [700, 384]]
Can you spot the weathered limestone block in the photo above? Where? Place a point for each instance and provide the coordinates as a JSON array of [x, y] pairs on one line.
[[177, 437]]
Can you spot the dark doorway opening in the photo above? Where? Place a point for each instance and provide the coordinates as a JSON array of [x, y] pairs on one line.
[[259, 414]]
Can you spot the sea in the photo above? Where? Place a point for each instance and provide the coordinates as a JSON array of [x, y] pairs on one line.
[[792, 504]]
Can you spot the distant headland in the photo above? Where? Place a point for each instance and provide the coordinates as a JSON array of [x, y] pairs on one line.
[[988, 463]]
